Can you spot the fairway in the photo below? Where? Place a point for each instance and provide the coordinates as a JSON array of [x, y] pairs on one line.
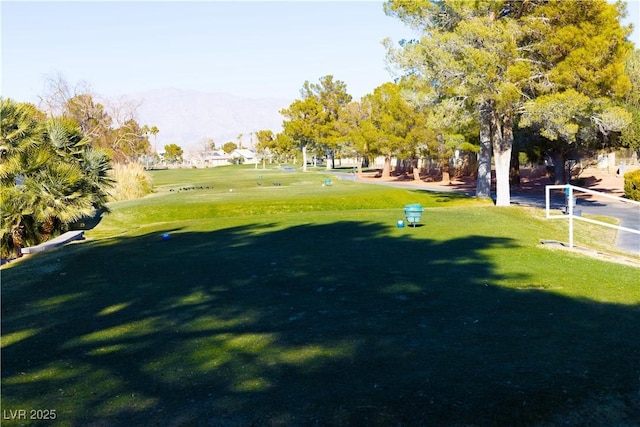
[[276, 300]]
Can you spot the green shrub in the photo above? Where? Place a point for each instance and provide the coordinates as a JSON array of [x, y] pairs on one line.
[[131, 182], [632, 185]]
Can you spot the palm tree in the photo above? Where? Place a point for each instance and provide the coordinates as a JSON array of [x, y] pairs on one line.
[[18, 228], [73, 147], [20, 139], [49, 176], [57, 193], [96, 164], [21, 152], [154, 131], [73, 184], [66, 137]]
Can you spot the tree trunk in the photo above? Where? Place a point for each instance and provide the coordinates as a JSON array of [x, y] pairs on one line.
[[304, 157], [483, 184], [386, 169], [446, 175], [560, 176], [611, 162], [514, 169], [502, 146], [48, 227], [400, 168], [17, 235]]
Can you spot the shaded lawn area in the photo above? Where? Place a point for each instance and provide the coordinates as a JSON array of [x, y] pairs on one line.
[[342, 322]]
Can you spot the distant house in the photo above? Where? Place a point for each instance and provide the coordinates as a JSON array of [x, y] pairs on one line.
[[217, 158], [246, 155], [214, 158], [209, 159]]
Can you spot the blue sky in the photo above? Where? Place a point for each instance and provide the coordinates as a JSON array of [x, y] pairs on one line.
[[252, 49]]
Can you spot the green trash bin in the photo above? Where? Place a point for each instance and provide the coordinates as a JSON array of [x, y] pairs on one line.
[[413, 212]]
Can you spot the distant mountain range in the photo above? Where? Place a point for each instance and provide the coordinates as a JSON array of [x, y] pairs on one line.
[[189, 118]]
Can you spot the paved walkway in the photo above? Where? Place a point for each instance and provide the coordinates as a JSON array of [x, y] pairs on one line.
[[532, 193]]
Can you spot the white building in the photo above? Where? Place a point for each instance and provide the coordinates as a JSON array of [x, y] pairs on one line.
[[209, 159], [246, 155]]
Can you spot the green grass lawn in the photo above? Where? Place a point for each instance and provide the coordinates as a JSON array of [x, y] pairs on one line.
[[299, 304]]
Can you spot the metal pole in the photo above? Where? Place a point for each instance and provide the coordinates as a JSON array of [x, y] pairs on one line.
[[546, 196], [570, 206]]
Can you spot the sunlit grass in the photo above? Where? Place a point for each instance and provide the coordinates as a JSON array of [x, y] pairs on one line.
[[11, 338], [113, 309], [58, 300], [127, 331], [55, 371]]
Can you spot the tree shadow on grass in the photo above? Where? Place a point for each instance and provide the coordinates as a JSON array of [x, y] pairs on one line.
[[89, 222], [444, 196], [334, 324]]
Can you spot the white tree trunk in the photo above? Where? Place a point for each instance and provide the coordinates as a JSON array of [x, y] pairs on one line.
[[304, 157], [386, 169], [502, 134], [502, 160]]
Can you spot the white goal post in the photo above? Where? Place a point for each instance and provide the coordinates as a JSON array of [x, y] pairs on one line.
[[570, 207]]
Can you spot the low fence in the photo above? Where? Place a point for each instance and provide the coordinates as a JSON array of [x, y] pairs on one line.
[[570, 211]]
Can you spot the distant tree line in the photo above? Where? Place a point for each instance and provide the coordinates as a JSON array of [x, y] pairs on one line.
[[549, 78]]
